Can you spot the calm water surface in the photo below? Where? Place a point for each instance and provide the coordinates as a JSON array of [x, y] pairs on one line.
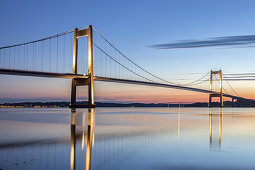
[[127, 138]]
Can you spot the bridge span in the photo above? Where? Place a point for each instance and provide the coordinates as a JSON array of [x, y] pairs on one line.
[[84, 78], [57, 57]]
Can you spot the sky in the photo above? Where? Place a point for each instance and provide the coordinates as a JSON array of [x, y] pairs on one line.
[[133, 27]]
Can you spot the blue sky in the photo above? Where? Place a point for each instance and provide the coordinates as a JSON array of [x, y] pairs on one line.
[[132, 26]]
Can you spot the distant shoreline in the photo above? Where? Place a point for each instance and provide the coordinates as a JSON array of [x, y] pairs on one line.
[[108, 104]]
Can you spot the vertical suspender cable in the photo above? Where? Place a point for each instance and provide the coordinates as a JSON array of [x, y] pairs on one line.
[[24, 56], [18, 58], [35, 64], [95, 62], [83, 57], [57, 55], [14, 58], [9, 58], [119, 67], [4, 59], [42, 55], [105, 65], [33, 56], [64, 54], [115, 75], [1, 59], [28, 57], [11, 55], [50, 56], [99, 62], [26, 51], [1, 62], [110, 65]]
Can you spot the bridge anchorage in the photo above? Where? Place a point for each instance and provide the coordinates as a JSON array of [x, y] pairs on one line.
[[89, 80]]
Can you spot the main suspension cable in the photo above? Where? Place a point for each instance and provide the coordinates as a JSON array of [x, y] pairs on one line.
[[192, 83], [54, 36], [131, 60], [119, 62], [231, 86]]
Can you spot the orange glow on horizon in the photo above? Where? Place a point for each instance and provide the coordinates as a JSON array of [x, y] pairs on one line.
[[59, 90]]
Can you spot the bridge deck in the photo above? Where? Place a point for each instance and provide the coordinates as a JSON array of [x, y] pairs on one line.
[[41, 74], [106, 79]]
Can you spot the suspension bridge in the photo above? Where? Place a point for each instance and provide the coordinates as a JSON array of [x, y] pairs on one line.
[[96, 60]]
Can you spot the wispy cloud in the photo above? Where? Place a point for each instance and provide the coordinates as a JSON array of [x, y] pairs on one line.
[[230, 41]]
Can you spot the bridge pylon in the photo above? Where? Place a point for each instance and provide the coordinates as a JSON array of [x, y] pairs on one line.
[[213, 93], [89, 80]]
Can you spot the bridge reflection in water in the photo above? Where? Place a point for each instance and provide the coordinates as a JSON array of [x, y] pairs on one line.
[[86, 136], [215, 128], [215, 134], [115, 141], [111, 150]]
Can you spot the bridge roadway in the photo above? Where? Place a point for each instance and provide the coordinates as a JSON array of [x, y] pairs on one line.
[[106, 79]]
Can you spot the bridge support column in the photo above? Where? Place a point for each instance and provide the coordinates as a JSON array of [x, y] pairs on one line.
[[210, 101], [89, 81], [73, 93], [75, 52], [215, 94], [90, 67]]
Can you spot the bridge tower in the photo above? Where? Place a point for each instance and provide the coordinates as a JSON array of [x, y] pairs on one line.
[[89, 81], [216, 94]]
